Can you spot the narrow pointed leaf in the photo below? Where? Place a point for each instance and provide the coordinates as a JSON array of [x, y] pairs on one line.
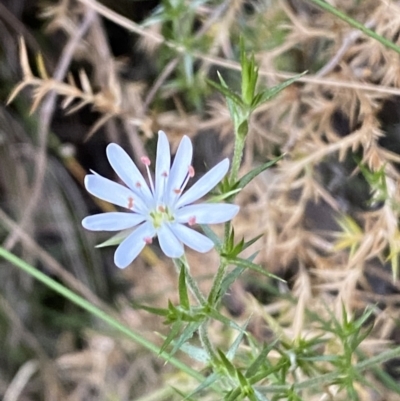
[[175, 328], [150, 309], [254, 368], [213, 237], [196, 353], [234, 347], [183, 293], [227, 364], [247, 178], [269, 93], [206, 383], [185, 336], [252, 266]]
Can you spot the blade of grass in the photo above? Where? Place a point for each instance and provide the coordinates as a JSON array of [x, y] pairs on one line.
[[358, 25], [81, 302]]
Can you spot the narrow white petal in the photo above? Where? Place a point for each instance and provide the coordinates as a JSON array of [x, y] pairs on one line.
[[192, 238], [128, 172], [169, 244], [132, 245], [205, 184], [207, 213], [180, 167], [113, 221], [114, 193], [163, 162]]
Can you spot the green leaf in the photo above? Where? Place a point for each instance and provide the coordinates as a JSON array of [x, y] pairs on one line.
[[252, 266], [196, 353], [228, 93], [150, 309], [255, 172], [254, 368], [206, 383], [227, 364], [249, 75], [229, 279], [175, 328], [213, 237], [235, 345], [213, 313], [269, 93], [186, 335], [183, 293], [115, 239], [223, 196]]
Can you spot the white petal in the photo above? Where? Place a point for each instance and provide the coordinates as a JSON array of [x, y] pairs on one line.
[[113, 221], [169, 244], [207, 213], [192, 238], [205, 184], [163, 163], [128, 172], [114, 193], [132, 245], [180, 167]]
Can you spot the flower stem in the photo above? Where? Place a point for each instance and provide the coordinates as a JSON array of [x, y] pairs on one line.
[[205, 341]]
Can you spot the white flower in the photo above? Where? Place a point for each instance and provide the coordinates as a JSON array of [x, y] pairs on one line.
[[161, 210]]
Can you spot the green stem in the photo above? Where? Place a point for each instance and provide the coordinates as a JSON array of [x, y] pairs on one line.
[[81, 302], [352, 22], [205, 341], [237, 157]]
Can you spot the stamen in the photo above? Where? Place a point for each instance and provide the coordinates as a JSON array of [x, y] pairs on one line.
[[189, 175], [192, 221], [161, 209], [130, 202], [191, 171], [148, 240], [146, 161]]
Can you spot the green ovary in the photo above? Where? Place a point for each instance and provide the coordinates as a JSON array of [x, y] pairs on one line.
[[161, 215]]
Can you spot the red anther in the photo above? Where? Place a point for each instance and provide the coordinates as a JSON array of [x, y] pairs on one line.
[[192, 221], [145, 160], [130, 202], [148, 240], [161, 209], [178, 191], [191, 171], [138, 185], [164, 174]]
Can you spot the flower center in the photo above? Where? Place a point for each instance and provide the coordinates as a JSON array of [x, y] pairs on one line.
[[160, 216]]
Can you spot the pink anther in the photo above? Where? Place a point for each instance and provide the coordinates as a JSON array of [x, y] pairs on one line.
[[145, 160]]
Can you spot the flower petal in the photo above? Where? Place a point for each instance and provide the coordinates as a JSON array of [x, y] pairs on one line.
[[128, 172], [169, 244], [180, 168], [163, 163], [205, 184], [192, 238], [114, 193], [209, 213], [132, 245], [113, 221]]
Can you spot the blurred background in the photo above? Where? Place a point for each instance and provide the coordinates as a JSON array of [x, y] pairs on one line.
[[76, 75]]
